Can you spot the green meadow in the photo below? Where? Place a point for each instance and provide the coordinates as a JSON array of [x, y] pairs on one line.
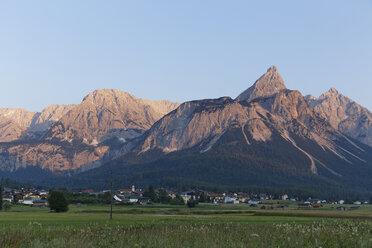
[[178, 226]]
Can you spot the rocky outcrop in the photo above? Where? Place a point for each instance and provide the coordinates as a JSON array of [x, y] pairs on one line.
[[345, 115], [51, 114], [14, 123], [51, 156]]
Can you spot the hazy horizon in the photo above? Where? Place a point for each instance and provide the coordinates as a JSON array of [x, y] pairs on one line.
[[57, 52]]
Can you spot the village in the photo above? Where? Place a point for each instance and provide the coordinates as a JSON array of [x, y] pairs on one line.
[[137, 196]]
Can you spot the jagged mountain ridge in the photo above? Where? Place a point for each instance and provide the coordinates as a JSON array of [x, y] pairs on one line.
[[345, 115], [104, 114], [76, 136], [252, 134], [274, 140], [202, 123], [18, 124]]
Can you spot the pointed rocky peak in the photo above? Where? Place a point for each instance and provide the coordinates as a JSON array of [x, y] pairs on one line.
[[333, 91], [268, 84]]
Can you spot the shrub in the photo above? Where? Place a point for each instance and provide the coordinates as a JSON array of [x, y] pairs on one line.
[[177, 201], [58, 202], [7, 206], [192, 203]]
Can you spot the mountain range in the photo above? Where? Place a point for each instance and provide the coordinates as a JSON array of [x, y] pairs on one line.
[[268, 136]]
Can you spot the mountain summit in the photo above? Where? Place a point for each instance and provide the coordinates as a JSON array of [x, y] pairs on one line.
[[345, 115], [268, 84]]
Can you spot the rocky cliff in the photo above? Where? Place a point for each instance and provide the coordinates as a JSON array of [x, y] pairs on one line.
[[264, 109], [104, 114], [270, 83], [345, 115], [68, 137], [19, 124]]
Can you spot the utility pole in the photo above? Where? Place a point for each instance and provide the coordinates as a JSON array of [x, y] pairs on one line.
[[111, 195]]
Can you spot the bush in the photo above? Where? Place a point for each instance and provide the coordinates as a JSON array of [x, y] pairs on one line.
[[7, 206], [57, 202], [177, 201], [192, 203]]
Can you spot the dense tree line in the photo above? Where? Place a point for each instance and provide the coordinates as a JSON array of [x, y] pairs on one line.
[[9, 183], [161, 196], [86, 198]]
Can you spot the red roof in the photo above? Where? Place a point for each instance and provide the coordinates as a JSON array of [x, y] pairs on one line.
[[88, 191]]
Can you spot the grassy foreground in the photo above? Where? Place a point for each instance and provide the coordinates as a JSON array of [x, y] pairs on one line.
[[169, 226]]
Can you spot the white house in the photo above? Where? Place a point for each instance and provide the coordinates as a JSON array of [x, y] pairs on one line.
[[231, 199], [27, 201], [254, 202], [284, 197]]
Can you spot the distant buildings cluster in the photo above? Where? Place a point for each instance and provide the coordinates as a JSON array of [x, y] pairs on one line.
[[30, 197], [132, 195]]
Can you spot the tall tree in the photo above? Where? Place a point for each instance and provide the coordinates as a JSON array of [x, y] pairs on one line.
[[150, 193], [57, 201]]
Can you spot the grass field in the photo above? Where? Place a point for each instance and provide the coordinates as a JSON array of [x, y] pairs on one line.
[[177, 226]]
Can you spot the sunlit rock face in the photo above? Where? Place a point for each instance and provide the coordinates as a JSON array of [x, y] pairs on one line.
[[345, 115], [70, 137], [270, 83], [103, 112]]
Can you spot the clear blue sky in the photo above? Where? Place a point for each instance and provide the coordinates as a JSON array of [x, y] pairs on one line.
[[59, 51]]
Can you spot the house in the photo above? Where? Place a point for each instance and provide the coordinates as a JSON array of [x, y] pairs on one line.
[[231, 199], [317, 205], [133, 199], [171, 194], [144, 200], [187, 195], [254, 202], [215, 196], [341, 202], [284, 197], [39, 203], [117, 199], [27, 201], [43, 193], [88, 191], [304, 205], [8, 199], [125, 192], [357, 203]]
